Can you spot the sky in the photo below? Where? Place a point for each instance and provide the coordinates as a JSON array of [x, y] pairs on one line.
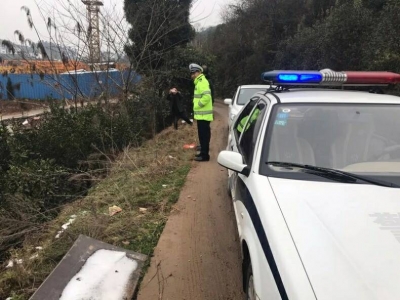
[[208, 12], [204, 13]]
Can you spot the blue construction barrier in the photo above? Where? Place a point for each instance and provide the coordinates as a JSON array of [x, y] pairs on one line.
[[67, 85]]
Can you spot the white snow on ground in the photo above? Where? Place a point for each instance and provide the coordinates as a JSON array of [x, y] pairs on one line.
[[66, 225], [34, 256], [104, 276], [10, 264]]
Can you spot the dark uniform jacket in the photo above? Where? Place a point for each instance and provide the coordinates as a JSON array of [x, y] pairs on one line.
[[176, 103]]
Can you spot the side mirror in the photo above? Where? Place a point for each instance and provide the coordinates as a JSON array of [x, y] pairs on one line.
[[233, 161], [228, 101]]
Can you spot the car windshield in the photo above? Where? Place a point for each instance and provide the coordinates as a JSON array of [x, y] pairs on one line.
[[347, 137], [245, 94]]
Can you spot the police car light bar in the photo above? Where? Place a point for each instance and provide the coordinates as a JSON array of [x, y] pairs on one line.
[[329, 77]]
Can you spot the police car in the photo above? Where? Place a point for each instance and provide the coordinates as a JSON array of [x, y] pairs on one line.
[[314, 175], [240, 98]]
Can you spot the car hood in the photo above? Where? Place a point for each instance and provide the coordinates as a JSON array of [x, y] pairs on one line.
[[347, 236]]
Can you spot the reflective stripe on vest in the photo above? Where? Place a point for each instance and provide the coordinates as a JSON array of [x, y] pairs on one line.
[[203, 112], [201, 95], [198, 96]]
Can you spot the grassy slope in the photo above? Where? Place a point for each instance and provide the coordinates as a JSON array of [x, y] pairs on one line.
[[136, 181]]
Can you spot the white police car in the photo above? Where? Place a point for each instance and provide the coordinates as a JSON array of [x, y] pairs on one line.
[[315, 180], [241, 97]]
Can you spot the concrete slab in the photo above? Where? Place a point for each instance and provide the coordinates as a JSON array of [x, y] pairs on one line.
[[73, 261]]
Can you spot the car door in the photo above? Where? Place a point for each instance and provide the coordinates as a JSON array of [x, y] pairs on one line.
[[247, 140], [246, 206], [234, 136]]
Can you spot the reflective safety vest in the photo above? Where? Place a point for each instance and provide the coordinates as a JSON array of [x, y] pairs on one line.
[[244, 120], [202, 101]]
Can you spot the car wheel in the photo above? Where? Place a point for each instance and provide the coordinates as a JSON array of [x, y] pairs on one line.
[[250, 290]]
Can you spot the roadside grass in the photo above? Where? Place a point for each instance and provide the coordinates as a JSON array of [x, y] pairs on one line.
[[144, 182]]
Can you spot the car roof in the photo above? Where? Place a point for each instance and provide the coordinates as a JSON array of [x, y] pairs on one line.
[[333, 96]]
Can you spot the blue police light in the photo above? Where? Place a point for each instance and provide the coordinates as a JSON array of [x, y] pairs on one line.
[[292, 77], [288, 77], [311, 77]]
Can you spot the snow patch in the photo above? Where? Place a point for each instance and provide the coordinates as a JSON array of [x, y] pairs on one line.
[[12, 261], [66, 225], [10, 264], [34, 256], [104, 276]]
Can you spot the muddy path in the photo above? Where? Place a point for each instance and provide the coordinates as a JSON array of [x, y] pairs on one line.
[[198, 254]]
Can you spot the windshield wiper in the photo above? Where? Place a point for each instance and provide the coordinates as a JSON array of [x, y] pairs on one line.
[[333, 173]]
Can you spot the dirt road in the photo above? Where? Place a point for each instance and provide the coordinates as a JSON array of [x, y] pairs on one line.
[[198, 255]]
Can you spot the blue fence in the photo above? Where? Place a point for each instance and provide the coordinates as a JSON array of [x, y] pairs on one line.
[[65, 86]]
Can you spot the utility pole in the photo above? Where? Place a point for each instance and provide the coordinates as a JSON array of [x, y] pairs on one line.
[[93, 9]]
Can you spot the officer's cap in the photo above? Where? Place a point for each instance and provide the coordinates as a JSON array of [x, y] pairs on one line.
[[194, 68]]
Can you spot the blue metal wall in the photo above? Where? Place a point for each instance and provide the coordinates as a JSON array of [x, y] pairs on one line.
[[66, 86]]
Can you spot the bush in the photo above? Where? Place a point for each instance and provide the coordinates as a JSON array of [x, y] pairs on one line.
[[45, 167]]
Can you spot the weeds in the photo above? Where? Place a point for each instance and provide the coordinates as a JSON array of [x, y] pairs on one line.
[[145, 182]]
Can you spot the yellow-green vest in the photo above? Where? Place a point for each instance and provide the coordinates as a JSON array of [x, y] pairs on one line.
[[202, 101], [244, 120]]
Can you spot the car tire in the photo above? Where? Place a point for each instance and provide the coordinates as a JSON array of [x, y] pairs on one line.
[[249, 282]]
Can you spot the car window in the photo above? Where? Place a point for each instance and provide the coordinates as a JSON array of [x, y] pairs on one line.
[[243, 114], [245, 94], [250, 132], [349, 137]]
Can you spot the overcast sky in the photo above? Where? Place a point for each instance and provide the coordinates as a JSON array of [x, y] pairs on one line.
[[204, 12]]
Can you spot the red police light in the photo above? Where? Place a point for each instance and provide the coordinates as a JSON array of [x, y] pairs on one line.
[[372, 77]]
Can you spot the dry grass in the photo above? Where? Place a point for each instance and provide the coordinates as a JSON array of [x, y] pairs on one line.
[[148, 177]]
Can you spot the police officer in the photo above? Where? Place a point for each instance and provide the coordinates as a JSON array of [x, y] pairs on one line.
[[202, 110]]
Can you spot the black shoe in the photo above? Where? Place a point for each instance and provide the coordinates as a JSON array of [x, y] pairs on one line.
[[198, 155], [201, 158]]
